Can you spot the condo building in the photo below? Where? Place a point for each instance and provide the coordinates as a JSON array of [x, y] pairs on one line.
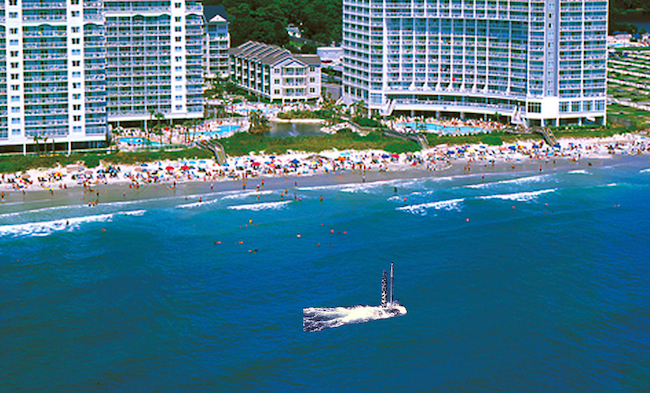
[[275, 73], [538, 62], [69, 68], [218, 43]]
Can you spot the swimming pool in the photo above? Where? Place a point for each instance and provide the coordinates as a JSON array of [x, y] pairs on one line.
[[219, 131], [139, 142], [445, 130]]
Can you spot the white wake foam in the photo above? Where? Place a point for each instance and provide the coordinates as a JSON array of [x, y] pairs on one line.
[[316, 319], [579, 172], [519, 196], [421, 209], [260, 206]]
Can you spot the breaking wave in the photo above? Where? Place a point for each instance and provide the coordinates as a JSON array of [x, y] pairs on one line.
[[197, 204], [246, 194], [647, 170], [421, 209], [579, 172], [45, 228], [315, 319], [517, 181], [260, 206], [519, 196]]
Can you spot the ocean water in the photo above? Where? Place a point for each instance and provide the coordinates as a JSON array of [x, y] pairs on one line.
[[525, 281]]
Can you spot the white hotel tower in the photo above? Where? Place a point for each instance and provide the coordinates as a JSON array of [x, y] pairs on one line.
[[539, 61], [69, 67]]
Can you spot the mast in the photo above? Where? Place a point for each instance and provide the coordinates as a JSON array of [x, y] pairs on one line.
[[392, 282], [383, 290]]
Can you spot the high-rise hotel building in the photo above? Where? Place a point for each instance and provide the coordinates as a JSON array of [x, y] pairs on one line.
[[68, 68], [539, 61]]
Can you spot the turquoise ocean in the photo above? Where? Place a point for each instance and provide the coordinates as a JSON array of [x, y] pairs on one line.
[[527, 281]]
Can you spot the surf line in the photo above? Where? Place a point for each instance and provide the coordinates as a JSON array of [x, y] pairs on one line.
[[315, 319]]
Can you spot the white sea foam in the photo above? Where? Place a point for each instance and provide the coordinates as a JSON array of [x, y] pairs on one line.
[[519, 196], [316, 319], [579, 172], [246, 194], [198, 204], [260, 206], [44, 228], [421, 209], [647, 170], [517, 181]]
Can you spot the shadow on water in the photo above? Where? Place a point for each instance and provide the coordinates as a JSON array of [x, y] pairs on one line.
[[284, 130]]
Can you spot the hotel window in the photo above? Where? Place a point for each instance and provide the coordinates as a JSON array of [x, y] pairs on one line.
[[178, 48], [13, 53], [575, 106], [75, 29], [74, 2], [15, 77], [312, 90], [177, 5], [179, 39], [13, 30], [15, 131], [76, 52], [312, 80], [76, 63], [76, 96], [13, 2], [178, 19], [13, 15], [75, 14], [76, 129], [75, 41], [14, 65], [15, 109], [76, 74], [178, 29], [15, 98], [76, 118], [15, 121], [76, 85], [534, 107], [179, 79], [564, 107], [76, 107], [179, 98], [15, 87], [178, 68], [179, 107]]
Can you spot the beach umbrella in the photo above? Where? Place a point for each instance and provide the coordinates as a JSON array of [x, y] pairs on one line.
[[185, 168], [169, 168], [394, 155], [256, 163], [295, 161], [144, 165], [341, 158], [25, 176]]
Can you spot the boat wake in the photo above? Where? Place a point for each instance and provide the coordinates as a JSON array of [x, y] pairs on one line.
[[315, 319]]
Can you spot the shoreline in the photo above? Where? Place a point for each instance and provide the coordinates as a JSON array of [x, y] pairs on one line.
[[359, 167]]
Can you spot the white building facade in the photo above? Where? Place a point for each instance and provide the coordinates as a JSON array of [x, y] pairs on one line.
[[539, 62], [155, 55], [218, 43], [275, 73], [69, 67]]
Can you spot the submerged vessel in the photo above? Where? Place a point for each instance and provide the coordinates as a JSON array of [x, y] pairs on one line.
[[315, 319]]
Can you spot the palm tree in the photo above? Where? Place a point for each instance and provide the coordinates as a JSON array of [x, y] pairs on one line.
[[36, 139], [259, 122]]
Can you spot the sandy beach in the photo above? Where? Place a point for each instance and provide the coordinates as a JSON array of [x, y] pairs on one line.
[[283, 173]]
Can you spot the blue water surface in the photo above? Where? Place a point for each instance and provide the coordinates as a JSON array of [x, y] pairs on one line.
[[520, 282]]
